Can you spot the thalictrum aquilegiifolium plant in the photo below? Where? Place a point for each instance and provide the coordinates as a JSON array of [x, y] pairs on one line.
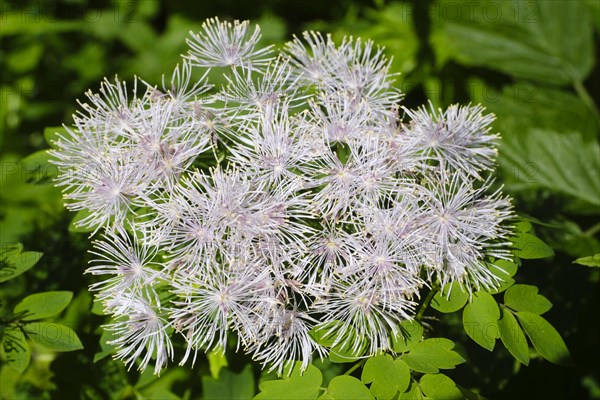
[[296, 208]]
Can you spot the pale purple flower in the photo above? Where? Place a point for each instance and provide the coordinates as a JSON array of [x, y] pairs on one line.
[[222, 44], [459, 137], [463, 225], [131, 268], [291, 202], [140, 331]]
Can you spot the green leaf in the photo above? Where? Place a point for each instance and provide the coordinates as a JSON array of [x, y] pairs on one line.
[[594, 8], [531, 247], [345, 387], [386, 376], [512, 336], [526, 298], [545, 338], [439, 387], [413, 393], [55, 337], [591, 261], [216, 361], [409, 334], [450, 299], [546, 41], [508, 268], [389, 26], [504, 270], [229, 386], [431, 355], [523, 226], [42, 305], [75, 225], [570, 239], [469, 394], [158, 393], [296, 386], [15, 348], [480, 320], [10, 248], [97, 307], [523, 106], [106, 349], [150, 386], [349, 350], [348, 346], [37, 168], [14, 264], [561, 162], [145, 379], [326, 334], [326, 396], [51, 134]]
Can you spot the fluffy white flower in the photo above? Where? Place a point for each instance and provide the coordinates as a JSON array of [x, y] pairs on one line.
[[290, 203], [131, 268], [141, 331], [463, 225], [222, 44], [459, 137]]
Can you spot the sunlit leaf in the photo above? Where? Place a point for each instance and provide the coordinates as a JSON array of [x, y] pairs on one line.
[[439, 387], [216, 361], [42, 305], [530, 247], [591, 261], [526, 298], [480, 320], [14, 264], [545, 338], [512, 336], [55, 337], [413, 392], [409, 334], [229, 385], [345, 387], [431, 355], [15, 348], [386, 375], [296, 386], [450, 299], [561, 162]]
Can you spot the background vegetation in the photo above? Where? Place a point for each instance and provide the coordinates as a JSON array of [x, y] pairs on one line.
[[532, 63]]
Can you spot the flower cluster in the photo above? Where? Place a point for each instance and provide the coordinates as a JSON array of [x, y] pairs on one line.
[[296, 196]]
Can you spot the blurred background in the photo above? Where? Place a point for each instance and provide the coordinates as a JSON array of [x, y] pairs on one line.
[[532, 63]]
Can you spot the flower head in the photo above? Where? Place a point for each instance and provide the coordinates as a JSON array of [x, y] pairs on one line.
[[222, 44], [290, 208], [459, 137]]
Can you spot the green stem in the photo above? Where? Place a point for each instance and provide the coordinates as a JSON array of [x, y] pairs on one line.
[[355, 367], [592, 231], [434, 289], [587, 99]]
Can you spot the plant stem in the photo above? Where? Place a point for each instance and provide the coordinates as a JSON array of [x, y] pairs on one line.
[[432, 292], [355, 367], [586, 98], [592, 230]]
